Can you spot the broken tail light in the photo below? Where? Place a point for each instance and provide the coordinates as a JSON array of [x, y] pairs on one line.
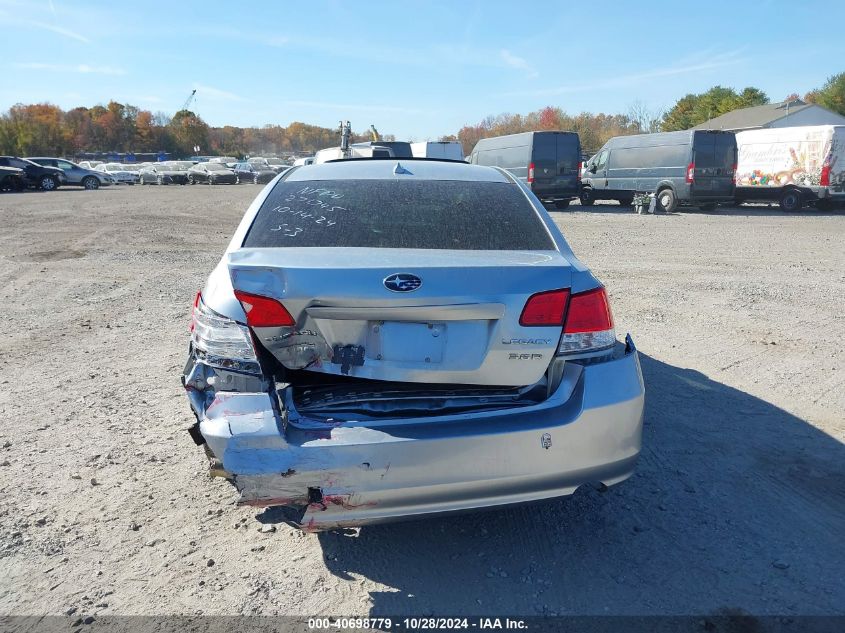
[[221, 342], [530, 173], [589, 323], [264, 311], [690, 173]]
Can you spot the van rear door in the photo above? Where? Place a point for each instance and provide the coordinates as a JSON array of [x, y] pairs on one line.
[[556, 157], [714, 156]]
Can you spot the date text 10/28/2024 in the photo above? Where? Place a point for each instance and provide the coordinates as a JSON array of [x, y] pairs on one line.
[[417, 624]]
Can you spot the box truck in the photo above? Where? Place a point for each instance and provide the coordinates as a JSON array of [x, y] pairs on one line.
[[449, 150], [794, 166]]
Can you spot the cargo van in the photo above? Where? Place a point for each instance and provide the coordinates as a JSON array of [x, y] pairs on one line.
[[792, 166], [448, 150], [691, 168], [548, 162]]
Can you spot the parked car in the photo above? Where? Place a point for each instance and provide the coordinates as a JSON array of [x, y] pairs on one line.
[[793, 166], [277, 164], [76, 174], [90, 164], [548, 162], [165, 173], [690, 168], [121, 174], [228, 161], [211, 174], [12, 179], [379, 344], [253, 172], [35, 176]]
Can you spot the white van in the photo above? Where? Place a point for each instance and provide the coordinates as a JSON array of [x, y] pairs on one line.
[[450, 150], [794, 166]]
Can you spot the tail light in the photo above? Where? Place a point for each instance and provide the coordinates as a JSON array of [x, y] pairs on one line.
[[589, 323], [733, 171], [264, 311], [221, 342], [530, 173], [580, 167], [690, 173], [824, 180], [544, 309]]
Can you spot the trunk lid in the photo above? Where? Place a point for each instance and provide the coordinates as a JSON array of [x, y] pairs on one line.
[[459, 323]]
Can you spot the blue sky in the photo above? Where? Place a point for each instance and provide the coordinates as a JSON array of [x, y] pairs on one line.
[[414, 69]]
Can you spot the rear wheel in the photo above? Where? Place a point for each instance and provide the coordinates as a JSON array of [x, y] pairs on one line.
[[91, 182], [667, 201], [560, 204], [790, 200], [48, 183], [588, 198]]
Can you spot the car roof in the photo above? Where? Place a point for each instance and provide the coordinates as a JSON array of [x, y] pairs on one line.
[[386, 169]]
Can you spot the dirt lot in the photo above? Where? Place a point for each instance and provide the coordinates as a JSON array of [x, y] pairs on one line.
[[738, 503]]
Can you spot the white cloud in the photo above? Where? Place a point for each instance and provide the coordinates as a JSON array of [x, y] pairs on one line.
[[518, 63], [689, 66], [216, 94], [83, 69]]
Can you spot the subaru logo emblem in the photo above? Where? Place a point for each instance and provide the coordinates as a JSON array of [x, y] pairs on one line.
[[402, 282]]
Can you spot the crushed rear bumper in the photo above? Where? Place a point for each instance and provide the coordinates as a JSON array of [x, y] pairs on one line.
[[588, 431]]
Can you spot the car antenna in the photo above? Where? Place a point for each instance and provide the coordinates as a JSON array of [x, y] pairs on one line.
[[400, 170]]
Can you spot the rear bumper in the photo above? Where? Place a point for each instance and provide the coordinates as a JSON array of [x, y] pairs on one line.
[[589, 430]]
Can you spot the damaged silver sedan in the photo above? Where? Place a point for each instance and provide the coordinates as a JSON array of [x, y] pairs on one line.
[[383, 341]]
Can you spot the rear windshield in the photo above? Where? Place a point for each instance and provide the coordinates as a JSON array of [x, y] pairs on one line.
[[432, 214]]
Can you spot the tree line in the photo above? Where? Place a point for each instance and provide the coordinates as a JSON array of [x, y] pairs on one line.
[[45, 129]]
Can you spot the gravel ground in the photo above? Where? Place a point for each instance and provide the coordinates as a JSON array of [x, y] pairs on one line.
[[738, 504]]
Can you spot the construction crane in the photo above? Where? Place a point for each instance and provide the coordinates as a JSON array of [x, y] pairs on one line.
[[190, 99], [374, 133]]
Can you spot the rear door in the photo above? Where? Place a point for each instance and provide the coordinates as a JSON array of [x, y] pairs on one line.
[[715, 157], [408, 281], [556, 157]]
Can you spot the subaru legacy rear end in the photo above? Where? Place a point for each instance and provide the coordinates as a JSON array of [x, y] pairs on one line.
[[385, 340]]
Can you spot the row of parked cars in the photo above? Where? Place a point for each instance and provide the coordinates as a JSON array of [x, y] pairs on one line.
[[48, 173], [795, 167]]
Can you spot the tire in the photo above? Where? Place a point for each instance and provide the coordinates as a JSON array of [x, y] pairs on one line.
[[667, 201], [48, 183], [91, 182], [710, 206], [791, 201], [588, 197], [561, 204]]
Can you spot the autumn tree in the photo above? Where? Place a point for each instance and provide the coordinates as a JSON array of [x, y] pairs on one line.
[[693, 109], [831, 95]]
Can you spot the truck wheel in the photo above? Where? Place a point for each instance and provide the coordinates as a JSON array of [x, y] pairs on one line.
[[91, 182], [48, 183], [667, 201], [588, 198], [790, 200], [561, 204]]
